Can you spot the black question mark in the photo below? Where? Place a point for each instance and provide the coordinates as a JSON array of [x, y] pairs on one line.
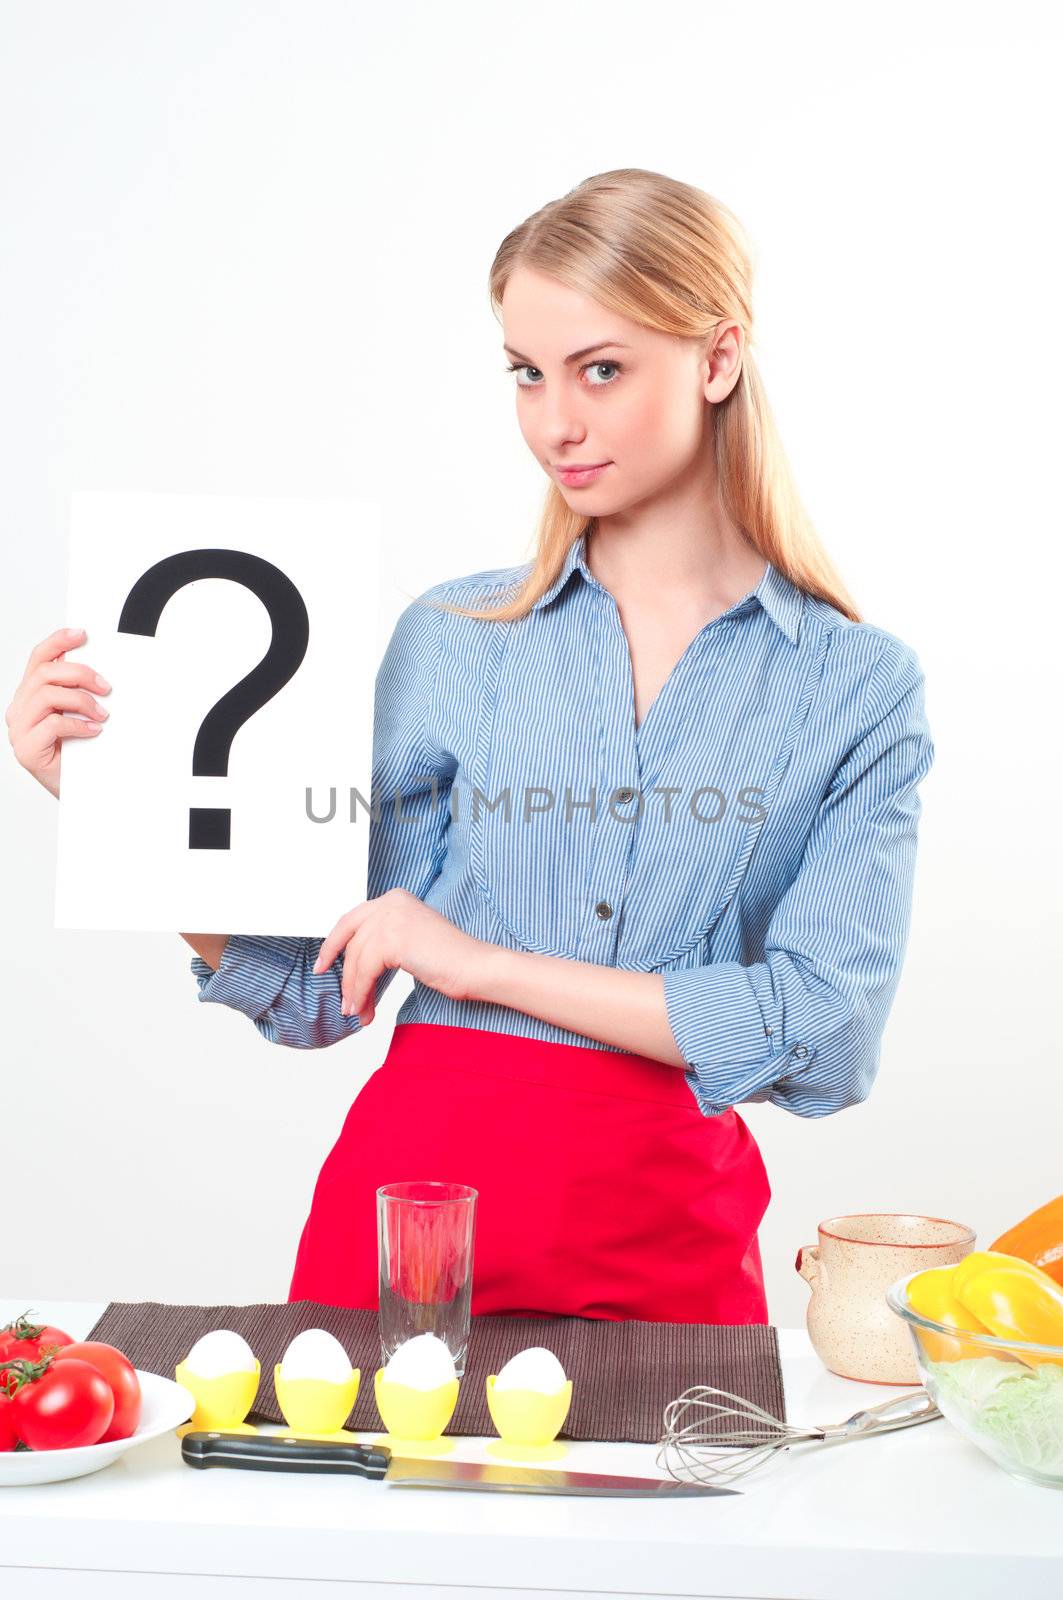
[[209, 827]]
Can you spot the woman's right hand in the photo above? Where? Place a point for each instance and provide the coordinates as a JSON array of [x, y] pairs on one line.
[[36, 725]]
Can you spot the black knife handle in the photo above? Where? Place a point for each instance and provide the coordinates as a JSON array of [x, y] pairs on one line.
[[272, 1452]]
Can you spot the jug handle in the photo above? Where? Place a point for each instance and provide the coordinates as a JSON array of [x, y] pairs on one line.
[[809, 1265]]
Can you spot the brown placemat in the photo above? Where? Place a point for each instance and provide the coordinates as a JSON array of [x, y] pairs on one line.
[[623, 1373]]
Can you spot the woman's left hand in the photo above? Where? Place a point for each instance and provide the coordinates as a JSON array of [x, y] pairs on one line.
[[398, 930]]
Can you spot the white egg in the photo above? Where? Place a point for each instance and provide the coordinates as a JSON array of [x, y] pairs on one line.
[[535, 1368], [314, 1353], [423, 1362], [217, 1353]]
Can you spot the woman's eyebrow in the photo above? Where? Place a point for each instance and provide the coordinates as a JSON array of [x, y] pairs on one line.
[[606, 344]]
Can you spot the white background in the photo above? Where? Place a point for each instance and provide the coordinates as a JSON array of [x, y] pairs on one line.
[[246, 251]]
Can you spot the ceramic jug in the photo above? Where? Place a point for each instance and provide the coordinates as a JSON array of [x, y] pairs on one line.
[[852, 1328]]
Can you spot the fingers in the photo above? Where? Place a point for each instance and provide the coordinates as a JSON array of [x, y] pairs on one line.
[[330, 949], [360, 970], [48, 649], [360, 973], [59, 727], [43, 687], [35, 724], [349, 937], [349, 978], [54, 702], [51, 697], [72, 672], [336, 941]]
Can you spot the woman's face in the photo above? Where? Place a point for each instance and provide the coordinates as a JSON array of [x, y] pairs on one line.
[[634, 405]]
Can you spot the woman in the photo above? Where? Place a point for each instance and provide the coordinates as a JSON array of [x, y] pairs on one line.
[[647, 813]]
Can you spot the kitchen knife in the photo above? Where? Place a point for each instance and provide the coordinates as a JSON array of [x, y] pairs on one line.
[[275, 1452]]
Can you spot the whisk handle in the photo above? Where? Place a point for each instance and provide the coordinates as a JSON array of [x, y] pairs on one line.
[[902, 1412]]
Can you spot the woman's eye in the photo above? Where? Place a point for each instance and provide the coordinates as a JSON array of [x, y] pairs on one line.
[[596, 366], [592, 366]]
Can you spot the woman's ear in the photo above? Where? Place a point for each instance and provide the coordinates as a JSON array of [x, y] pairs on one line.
[[722, 365]]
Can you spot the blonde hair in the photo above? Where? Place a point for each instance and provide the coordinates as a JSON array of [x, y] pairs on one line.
[[672, 258]]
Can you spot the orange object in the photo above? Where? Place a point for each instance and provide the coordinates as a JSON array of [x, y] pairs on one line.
[[1038, 1238]]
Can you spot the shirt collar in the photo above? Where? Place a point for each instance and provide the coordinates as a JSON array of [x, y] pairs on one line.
[[775, 593], [573, 559]]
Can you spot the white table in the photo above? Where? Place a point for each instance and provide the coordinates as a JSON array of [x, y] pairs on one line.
[[919, 1513]]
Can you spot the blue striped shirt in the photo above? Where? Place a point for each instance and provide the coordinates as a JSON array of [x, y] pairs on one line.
[[753, 840]]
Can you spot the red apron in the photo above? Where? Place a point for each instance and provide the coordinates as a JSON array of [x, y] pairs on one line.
[[603, 1190]]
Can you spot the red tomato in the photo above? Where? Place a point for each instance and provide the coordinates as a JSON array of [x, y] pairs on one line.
[[61, 1405], [23, 1340], [8, 1436], [119, 1373]]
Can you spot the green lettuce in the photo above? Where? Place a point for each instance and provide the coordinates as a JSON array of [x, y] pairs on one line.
[[1017, 1410]]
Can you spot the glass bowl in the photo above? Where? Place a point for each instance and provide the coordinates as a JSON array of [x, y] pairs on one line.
[[1004, 1395]]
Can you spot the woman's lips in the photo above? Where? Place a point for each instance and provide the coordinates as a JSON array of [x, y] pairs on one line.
[[576, 478]]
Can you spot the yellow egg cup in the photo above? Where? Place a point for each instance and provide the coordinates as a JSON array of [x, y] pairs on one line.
[[416, 1416], [221, 1403], [528, 1422], [315, 1408]]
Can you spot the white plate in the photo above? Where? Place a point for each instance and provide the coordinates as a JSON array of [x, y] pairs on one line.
[[164, 1406]]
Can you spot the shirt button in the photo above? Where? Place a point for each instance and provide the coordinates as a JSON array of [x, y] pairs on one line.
[[604, 910], [800, 1051], [624, 795]]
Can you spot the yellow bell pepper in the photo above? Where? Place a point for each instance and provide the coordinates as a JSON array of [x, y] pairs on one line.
[[1013, 1298], [978, 1261], [932, 1294]]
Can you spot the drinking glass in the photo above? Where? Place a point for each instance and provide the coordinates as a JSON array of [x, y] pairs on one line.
[[425, 1234]]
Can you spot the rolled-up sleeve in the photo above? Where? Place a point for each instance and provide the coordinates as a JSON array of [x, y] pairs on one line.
[[271, 979], [803, 1027]]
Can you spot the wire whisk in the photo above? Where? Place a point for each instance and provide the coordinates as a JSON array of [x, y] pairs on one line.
[[701, 1450]]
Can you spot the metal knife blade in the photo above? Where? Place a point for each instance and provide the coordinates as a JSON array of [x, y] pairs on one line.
[[438, 1473], [274, 1452]]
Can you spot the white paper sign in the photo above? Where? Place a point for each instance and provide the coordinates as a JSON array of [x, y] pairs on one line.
[[239, 635]]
